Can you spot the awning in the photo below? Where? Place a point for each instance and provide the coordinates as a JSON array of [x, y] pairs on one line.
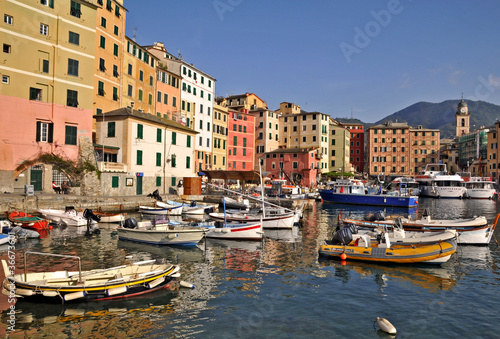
[[201, 174]]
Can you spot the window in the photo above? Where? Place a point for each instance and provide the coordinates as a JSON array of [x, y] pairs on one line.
[[75, 9], [73, 67], [129, 69], [140, 95], [141, 75], [111, 129], [115, 50], [116, 30], [188, 141], [70, 135], [44, 29], [8, 19], [130, 90], [102, 42], [140, 131], [115, 93], [109, 6], [72, 98], [165, 98], [174, 138], [74, 38], [44, 131], [158, 181], [139, 158], [188, 162], [102, 65], [100, 88], [117, 11], [295, 163], [103, 22], [235, 141], [5, 79], [158, 96], [115, 182], [150, 99], [158, 159], [201, 108], [174, 102]]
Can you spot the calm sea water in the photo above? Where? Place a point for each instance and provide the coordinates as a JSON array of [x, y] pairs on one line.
[[279, 288]]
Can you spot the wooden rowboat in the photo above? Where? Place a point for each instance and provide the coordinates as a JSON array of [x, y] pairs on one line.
[[104, 284], [27, 220]]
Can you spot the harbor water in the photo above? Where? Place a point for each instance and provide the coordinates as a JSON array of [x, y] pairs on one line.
[[277, 288]]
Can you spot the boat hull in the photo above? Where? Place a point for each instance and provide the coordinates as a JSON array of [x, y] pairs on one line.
[[432, 254], [478, 193], [368, 199], [28, 221], [173, 235], [237, 232], [267, 222], [70, 218], [453, 192]]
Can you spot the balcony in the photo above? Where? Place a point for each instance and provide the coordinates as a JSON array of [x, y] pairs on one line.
[[112, 167], [318, 156]]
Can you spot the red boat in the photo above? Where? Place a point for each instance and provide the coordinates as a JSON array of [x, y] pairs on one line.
[[28, 220]]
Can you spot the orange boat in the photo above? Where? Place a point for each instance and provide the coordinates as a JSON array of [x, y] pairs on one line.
[[28, 221]]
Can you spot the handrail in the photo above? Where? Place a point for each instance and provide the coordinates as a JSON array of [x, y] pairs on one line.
[[53, 255]]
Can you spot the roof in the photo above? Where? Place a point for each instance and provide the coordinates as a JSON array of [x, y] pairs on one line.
[[129, 112], [302, 112], [391, 125], [293, 150], [234, 175]]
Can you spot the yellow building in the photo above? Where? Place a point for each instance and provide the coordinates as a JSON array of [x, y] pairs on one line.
[[108, 68], [220, 131], [138, 78], [339, 150], [245, 102], [47, 85]]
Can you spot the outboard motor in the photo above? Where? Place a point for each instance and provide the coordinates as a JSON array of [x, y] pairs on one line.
[[343, 236], [89, 215], [426, 213], [379, 216], [130, 223]]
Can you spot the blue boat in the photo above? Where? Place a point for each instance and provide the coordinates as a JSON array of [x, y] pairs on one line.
[[353, 192]]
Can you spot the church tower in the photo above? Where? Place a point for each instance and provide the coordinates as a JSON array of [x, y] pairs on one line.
[[462, 119]]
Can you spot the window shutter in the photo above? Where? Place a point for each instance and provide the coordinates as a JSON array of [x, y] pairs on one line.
[[51, 3], [38, 130], [51, 133]]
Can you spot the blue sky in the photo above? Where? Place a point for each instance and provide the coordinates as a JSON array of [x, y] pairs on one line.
[[369, 57]]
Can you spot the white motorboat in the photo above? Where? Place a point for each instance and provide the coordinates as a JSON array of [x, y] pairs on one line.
[[274, 221], [174, 207], [236, 231], [478, 187], [404, 186], [195, 208], [435, 181], [161, 208], [69, 217]]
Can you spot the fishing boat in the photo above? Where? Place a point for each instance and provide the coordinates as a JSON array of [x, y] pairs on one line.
[[404, 186], [280, 188], [94, 285], [163, 234], [174, 207], [435, 181], [383, 251], [195, 208], [470, 231], [236, 231], [272, 221], [477, 187], [239, 203], [354, 192], [109, 217], [161, 208], [27, 220], [69, 217]]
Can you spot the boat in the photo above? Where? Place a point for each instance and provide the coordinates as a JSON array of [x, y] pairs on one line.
[[109, 217], [404, 186], [27, 220], [353, 192], [470, 231], [69, 217], [273, 221], [195, 208], [4, 239], [435, 181], [280, 188], [236, 231], [94, 285], [163, 234], [384, 251], [477, 187], [174, 207], [161, 208], [239, 204], [24, 233]]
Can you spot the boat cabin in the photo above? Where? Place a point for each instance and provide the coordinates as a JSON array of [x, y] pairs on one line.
[[347, 186]]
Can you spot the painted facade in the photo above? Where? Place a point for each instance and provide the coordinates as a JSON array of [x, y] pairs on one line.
[[47, 81], [108, 67], [245, 102], [298, 163], [493, 155], [220, 132], [357, 150], [338, 152], [138, 78], [266, 134], [155, 152], [241, 141]]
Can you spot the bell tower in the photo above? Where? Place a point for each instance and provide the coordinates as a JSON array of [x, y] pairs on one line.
[[462, 117]]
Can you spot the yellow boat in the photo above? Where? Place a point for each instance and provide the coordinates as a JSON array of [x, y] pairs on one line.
[[385, 252]]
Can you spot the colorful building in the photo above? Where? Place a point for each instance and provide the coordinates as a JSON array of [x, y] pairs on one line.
[[266, 134], [220, 132], [338, 152], [357, 149], [138, 78], [492, 153], [108, 67], [299, 164], [241, 143], [142, 152], [245, 102], [47, 86]]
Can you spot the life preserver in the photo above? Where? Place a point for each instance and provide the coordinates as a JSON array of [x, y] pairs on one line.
[[275, 192]]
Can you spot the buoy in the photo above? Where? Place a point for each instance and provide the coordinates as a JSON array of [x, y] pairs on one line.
[[385, 325], [343, 256], [185, 284], [51, 227]]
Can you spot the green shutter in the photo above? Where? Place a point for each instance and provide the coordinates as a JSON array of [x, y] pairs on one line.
[[140, 131], [173, 181], [51, 3], [139, 157], [158, 134], [188, 162], [158, 159], [158, 181], [115, 182], [115, 49], [71, 132], [235, 141], [244, 142], [111, 129], [174, 138], [188, 141]]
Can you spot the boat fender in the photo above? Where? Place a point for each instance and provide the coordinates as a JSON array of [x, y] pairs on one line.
[[385, 325], [185, 284], [366, 240]]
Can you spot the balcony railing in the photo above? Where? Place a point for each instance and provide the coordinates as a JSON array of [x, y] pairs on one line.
[[112, 167]]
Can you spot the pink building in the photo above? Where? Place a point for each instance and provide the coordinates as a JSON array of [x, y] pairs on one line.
[[300, 164], [241, 141]]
